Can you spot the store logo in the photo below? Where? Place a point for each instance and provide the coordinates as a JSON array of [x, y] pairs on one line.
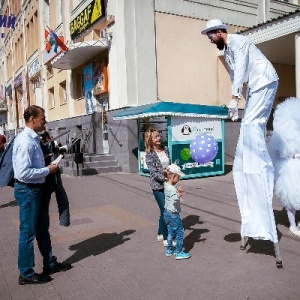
[[186, 130], [197, 165]]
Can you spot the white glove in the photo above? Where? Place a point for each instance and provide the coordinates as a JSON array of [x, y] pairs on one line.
[[233, 109]]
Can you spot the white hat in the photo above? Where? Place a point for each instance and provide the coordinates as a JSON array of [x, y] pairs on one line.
[[175, 169], [214, 24]]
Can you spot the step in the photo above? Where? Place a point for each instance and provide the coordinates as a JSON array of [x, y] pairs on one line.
[[96, 164], [91, 157], [101, 170], [93, 164], [89, 171], [98, 157]]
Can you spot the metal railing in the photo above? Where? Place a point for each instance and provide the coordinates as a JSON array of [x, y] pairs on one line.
[[77, 137], [114, 136], [86, 140]]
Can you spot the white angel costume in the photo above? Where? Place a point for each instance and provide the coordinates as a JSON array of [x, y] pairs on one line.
[[284, 148], [253, 171]]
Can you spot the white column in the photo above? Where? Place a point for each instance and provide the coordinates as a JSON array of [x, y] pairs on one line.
[[297, 63]]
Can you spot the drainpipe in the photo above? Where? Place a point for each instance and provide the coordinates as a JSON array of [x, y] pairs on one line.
[[297, 63], [266, 10]]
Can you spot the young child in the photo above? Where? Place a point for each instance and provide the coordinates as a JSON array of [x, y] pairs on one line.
[[172, 209], [284, 149]]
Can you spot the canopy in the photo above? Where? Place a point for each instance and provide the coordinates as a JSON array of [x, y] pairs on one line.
[[78, 53], [172, 109]]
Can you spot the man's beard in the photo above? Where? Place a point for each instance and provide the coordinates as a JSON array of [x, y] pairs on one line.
[[220, 43]]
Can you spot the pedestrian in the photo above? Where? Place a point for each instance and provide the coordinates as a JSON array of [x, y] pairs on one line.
[[253, 172], [29, 173], [53, 182], [2, 142], [173, 198], [284, 148], [157, 158]]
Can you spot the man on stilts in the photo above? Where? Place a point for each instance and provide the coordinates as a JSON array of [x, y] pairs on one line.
[[253, 172]]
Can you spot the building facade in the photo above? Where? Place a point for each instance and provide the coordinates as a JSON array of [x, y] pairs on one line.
[[83, 61]]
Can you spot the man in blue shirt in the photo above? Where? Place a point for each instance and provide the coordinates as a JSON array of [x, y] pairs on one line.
[[29, 173]]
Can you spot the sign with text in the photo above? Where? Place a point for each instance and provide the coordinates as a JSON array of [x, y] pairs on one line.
[[34, 67], [86, 18], [186, 129]]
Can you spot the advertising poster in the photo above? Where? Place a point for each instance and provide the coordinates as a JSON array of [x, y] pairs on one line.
[[90, 101], [184, 130]]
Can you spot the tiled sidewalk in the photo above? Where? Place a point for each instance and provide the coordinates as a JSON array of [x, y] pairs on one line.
[[112, 246]]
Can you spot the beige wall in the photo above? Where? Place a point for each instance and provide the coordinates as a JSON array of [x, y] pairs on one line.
[[32, 30], [59, 110], [79, 106], [180, 49], [188, 67]]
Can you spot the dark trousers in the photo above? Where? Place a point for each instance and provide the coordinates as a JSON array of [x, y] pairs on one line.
[[53, 184]]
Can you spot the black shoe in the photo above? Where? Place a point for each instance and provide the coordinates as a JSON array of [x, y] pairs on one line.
[[65, 224], [59, 267], [34, 279]]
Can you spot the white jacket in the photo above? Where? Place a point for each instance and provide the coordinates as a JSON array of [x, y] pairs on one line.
[[247, 64]]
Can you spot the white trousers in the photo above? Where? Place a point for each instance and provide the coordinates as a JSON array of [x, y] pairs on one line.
[[253, 172]]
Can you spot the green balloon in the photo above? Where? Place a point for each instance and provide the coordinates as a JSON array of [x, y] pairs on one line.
[[185, 154]]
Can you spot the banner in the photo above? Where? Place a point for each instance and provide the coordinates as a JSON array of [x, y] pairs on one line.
[[90, 101], [100, 78], [8, 22], [54, 45]]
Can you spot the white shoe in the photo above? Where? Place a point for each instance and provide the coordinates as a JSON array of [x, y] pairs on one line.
[[160, 238], [295, 231], [165, 242]]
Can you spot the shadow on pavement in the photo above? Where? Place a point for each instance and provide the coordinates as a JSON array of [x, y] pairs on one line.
[[195, 234], [97, 245], [254, 246], [9, 204], [227, 168], [282, 218], [232, 237]]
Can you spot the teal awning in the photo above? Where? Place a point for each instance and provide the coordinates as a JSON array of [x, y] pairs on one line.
[[172, 109]]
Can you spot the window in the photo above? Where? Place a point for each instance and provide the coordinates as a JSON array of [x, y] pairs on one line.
[[51, 98], [79, 86], [19, 95], [49, 72], [62, 93]]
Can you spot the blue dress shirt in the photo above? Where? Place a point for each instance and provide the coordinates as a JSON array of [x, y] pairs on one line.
[[28, 158]]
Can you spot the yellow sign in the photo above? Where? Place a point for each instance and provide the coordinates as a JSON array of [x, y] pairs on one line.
[[97, 11], [92, 13]]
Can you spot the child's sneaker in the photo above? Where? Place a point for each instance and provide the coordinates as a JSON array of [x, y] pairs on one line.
[[169, 252], [165, 242], [160, 238], [182, 255]]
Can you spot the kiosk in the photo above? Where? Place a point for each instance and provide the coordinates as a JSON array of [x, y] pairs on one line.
[[179, 124]]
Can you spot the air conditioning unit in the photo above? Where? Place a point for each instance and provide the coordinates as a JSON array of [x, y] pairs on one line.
[[103, 33]]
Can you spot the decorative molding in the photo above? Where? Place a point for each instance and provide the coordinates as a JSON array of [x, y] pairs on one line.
[[275, 29]]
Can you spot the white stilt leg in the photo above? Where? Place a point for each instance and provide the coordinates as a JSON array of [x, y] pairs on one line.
[[244, 241], [278, 255]]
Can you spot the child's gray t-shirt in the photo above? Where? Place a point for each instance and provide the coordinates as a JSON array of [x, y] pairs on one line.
[[172, 199]]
